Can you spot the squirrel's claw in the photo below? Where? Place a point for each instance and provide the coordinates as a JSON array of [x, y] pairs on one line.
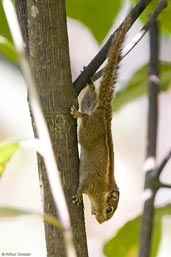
[[76, 200], [73, 111]]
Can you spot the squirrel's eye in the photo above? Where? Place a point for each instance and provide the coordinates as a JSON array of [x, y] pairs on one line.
[[109, 210]]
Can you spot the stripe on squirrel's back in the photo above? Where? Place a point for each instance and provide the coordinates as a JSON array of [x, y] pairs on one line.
[[105, 95]]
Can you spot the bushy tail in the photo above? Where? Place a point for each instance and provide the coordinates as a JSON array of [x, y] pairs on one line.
[[109, 75]]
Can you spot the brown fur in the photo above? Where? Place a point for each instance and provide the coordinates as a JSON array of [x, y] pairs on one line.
[[97, 158]]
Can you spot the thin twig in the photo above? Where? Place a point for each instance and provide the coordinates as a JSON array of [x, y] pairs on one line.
[[163, 185], [150, 180], [163, 163], [162, 4], [93, 66]]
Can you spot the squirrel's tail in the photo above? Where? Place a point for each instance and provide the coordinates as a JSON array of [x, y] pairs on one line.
[[109, 74]]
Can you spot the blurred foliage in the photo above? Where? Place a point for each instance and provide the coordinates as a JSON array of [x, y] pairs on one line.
[[97, 15], [4, 29], [125, 242], [7, 150], [137, 86], [9, 212], [164, 17], [13, 212], [7, 48]]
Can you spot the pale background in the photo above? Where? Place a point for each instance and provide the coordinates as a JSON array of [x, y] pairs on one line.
[[19, 185]]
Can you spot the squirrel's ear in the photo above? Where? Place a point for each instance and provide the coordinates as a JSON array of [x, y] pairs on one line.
[[114, 194]]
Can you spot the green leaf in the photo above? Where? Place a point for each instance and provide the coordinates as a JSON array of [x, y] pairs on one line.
[[8, 50], [97, 15], [137, 86], [125, 242], [14, 212], [7, 150], [4, 29], [164, 16], [52, 220]]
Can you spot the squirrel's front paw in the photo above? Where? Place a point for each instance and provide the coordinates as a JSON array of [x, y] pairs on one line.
[[76, 200], [74, 111]]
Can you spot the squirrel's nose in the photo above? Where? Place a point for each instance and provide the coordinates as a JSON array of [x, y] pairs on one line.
[[100, 219]]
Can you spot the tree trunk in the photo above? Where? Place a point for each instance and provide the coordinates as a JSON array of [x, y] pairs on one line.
[[49, 61]]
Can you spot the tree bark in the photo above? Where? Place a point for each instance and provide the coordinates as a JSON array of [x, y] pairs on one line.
[[49, 61]]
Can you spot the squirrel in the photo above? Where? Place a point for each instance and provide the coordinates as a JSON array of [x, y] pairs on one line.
[[95, 137]]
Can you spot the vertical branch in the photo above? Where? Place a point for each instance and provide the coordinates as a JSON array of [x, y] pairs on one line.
[[151, 185], [45, 147], [49, 61], [153, 92]]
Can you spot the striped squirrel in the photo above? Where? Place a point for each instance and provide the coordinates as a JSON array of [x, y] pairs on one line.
[[97, 157]]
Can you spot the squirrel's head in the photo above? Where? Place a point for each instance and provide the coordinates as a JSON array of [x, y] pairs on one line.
[[105, 209]]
